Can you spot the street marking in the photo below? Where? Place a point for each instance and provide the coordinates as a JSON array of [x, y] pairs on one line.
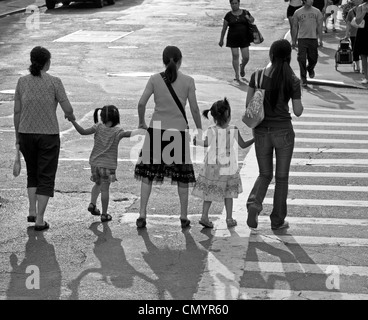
[[93, 36], [123, 47], [356, 141], [329, 162], [340, 132], [324, 188], [325, 111], [328, 115], [355, 175], [275, 294], [305, 240], [318, 221], [322, 202], [331, 124], [11, 91], [329, 150], [130, 74], [278, 267]]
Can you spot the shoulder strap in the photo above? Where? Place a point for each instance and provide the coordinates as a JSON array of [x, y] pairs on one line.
[[256, 79], [174, 96], [261, 80]]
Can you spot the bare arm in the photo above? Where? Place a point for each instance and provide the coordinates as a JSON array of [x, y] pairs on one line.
[[360, 13], [319, 30], [243, 144], [131, 133], [294, 31], [223, 31], [250, 17], [142, 109], [81, 130], [194, 109], [17, 110], [297, 107], [68, 110], [250, 94]]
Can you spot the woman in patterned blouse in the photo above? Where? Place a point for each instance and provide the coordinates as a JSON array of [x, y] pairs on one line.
[[37, 131]]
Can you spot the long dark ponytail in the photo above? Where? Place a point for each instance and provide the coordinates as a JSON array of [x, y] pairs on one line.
[[39, 57], [280, 54], [171, 56], [108, 113]]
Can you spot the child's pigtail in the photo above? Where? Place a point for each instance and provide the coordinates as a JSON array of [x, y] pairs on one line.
[[205, 113], [95, 115]]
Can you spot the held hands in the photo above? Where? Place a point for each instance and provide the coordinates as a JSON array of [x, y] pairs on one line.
[[70, 117]]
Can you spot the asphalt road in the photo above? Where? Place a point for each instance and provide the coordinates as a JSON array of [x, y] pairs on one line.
[[80, 258]]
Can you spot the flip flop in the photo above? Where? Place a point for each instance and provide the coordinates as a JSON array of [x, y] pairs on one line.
[[105, 217], [206, 224], [31, 218], [43, 227]]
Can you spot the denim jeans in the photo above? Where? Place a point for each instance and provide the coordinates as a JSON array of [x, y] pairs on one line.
[[266, 141]]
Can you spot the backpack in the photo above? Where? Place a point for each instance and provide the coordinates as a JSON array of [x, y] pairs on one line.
[[254, 112]]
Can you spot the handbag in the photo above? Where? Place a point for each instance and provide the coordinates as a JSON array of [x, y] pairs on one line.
[[163, 75], [17, 164], [254, 112], [355, 25], [256, 35]]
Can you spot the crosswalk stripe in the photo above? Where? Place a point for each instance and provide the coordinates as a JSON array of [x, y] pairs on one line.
[[275, 294], [329, 150], [333, 116], [355, 175], [279, 267], [324, 111], [315, 140], [306, 240], [318, 221], [331, 162], [324, 188], [336, 132], [330, 124], [322, 202]]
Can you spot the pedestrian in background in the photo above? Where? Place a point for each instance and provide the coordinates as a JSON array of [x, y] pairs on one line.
[[307, 31], [236, 22], [275, 134], [350, 33], [219, 179], [361, 42], [292, 7], [321, 5], [331, 12], [37, 96], [104, 155], [168, 127]]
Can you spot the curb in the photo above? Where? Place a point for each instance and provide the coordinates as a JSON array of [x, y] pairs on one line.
[[2, 15]]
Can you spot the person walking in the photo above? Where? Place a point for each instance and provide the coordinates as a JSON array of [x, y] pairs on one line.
[[307, 31], [104, 155], [331, 12], [275, 134], [219, 179], [37, 96], [361, 43], [165, 151], [350, 33], [236, 23], [292, 7]]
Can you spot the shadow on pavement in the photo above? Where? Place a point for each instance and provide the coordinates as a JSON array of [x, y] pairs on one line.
[[339, 101], [115, 268], [38, 253]]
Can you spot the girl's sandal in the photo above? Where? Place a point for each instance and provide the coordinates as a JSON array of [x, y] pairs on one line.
[[231, 223], [105, 217], [94, 211]]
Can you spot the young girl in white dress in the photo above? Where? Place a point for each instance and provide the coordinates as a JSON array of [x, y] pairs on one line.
[[219, 179]]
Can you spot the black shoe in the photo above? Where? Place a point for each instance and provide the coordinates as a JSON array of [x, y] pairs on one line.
[[284, 225], [141, 222], [184, 223], [252, 220], [311, 74]]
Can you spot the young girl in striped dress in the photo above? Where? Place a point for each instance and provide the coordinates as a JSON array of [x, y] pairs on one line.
[[104, 155]]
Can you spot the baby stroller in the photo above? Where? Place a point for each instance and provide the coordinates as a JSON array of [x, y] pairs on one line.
[[344, 53]]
